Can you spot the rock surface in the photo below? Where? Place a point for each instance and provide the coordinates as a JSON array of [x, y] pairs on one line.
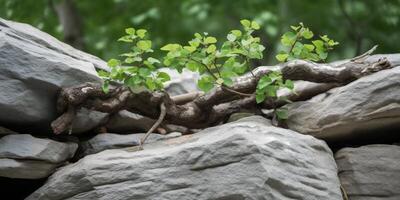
[[247, 159], [34, 67], [105, 141], [181, 83], [128, 122], [366, 105], [370, 172], [24, 156]]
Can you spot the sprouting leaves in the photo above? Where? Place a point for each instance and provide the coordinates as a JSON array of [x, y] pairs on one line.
[[217, 62], [298, 45], [217, 65], [136, 69]]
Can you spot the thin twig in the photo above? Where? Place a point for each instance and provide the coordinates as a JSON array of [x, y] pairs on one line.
[[163, 112], [234, 91], [344, 193]]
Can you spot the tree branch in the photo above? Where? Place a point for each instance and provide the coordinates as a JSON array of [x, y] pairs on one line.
[[199, 110]]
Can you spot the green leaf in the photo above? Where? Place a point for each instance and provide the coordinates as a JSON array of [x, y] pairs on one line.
[[171, 47], [163, 76], [198, 36], [130, 31], [288, 38], [246, 23], [144, 45], [307, 34], [282, 113], [211, 49], [190, 48], [237, 33], [289, 84], [105, 87], [150, 84], [141, 33], [113, 62], [264, 82], [152, 60], [193, 66], [309, 47], [144, 72], [282, 57], [205, 83], [210, 40], [231, 37], [103, 73], [255, 25], [260, 96], [228, 81]]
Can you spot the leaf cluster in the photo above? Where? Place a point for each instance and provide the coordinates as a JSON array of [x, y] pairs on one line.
[[299, 44], [136, 69], [217, 65]]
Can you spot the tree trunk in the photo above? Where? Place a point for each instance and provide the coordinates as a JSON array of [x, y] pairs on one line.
[[71, 23]]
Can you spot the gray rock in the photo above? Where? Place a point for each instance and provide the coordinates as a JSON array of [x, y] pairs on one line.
[[34, 67], [26, 169], [364, 106], [238, 160], [87, 120], [127, 122], [105, 141], [181, 83], [240, 115], [370, 172], [24, 156]]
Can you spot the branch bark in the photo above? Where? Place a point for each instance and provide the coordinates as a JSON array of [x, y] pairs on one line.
[[198, 110]]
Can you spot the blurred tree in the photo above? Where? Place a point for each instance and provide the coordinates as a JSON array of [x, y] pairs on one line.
[[356, 24]]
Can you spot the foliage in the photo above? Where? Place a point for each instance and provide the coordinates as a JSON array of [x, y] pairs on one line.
[[317, 50], [217, 65], [136, 70]]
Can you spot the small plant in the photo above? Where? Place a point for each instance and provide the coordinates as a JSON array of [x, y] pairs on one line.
[[217, 65], [137, 70]]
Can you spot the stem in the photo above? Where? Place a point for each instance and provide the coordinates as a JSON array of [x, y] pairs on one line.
[[155, 125]]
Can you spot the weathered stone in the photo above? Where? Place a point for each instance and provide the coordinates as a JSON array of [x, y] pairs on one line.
[[128, 122], [24, 156], [366, 105], [181, 83], [239, 160], [105, 141], [370, 172], [34, 67]]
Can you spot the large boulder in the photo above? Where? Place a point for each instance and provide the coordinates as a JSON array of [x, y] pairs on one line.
[[370, 172], [106, 141], [34, 67], [27, 157], [246, 159], [368, 105]]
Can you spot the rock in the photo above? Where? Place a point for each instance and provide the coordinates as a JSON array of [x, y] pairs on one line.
[[364, 106], [24, 156], [127, 122], [238, 160], [370, 172], [181, 83], [105, 141], [34, 67], [240, 115], [87, 120]]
